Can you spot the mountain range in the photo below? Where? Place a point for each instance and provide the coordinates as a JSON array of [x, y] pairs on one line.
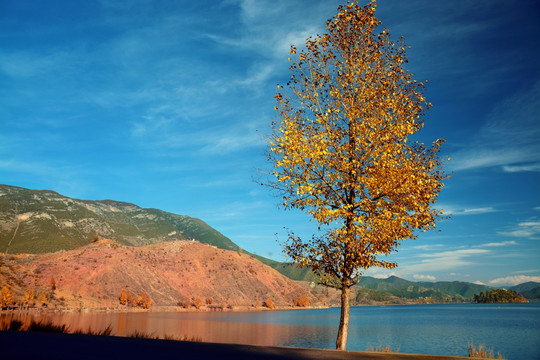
[[43, 221]]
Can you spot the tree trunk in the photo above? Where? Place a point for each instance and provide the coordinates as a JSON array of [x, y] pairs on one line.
[[343, 332]]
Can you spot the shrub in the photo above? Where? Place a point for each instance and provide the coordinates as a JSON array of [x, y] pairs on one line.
[[6, 299], [197, 303], [144, 301], [269, 303], [123, 298], [382, 349], [482, 352], [209, 300], [131, 299], [301, 301]]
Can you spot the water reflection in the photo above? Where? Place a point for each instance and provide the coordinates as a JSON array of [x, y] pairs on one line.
[[427, 329], [222, 328]]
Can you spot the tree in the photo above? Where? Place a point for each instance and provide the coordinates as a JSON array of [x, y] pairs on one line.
[[340, 151], [131, 300], [28, 297], [144, 301], [123, 297], [6, 299]]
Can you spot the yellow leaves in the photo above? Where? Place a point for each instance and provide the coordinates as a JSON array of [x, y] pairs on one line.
[[292, 50], [341, 152]]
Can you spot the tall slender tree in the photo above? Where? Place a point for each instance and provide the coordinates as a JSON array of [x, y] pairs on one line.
[[340, 151]]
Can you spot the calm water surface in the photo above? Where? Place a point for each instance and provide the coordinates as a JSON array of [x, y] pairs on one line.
[[511, 329]]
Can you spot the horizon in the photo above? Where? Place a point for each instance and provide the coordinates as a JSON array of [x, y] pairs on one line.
[[165, 105]]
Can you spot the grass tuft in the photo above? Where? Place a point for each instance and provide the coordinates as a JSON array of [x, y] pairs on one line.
[[382, 349], [482, 352], [42, 326]]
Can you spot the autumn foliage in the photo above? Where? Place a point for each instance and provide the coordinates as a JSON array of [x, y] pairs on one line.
[[269, 303], [197, 303], [127, 298], [301, 301], [341, 151], [144, 301], [6, 298], [123, 297]]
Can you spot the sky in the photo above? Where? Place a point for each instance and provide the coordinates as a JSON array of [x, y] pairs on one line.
[[165, 104]]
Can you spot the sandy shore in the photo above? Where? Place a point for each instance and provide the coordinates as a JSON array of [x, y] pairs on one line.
[[45, 346]]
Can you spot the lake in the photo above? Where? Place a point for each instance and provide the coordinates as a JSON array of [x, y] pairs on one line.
[[446, 329]]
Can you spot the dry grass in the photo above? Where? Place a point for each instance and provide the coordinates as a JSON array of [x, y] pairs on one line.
[[42, 326], [382, 349], [482, 352]]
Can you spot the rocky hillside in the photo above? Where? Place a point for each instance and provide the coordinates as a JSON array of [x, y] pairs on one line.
[[33, 221], [172, 273]]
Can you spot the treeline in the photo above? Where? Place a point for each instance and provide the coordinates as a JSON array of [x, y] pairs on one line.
[[127, 299], [499, 296], [31, 298]]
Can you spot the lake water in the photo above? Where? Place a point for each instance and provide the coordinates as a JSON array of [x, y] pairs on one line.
[[511, 329]]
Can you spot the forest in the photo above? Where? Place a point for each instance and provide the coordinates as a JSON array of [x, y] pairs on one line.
[[498, 296]]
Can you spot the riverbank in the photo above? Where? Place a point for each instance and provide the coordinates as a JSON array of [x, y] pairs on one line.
[[45, 346]]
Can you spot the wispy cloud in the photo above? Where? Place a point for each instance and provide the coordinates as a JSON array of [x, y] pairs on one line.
[[424, 277], [514, 280], [459, 211], [508, 138], [443, 260], [521, 168], [498, 244], [526, 229]]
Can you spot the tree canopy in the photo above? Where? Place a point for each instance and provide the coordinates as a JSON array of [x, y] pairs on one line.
[[341, 151]]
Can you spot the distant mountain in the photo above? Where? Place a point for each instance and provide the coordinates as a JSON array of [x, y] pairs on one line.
[[437, 291], [525, 286], [33, 221], [530, 290]]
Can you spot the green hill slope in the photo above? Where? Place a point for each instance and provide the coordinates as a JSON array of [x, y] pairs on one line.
[[440, 291], [33, 221]]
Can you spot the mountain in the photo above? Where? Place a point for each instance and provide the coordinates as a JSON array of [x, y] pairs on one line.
[[171, 273], [33, 221], [530, 290], [527, 286], [436, 291]]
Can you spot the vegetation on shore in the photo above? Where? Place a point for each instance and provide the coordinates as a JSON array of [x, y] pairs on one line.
[[482, 352], [47, 326], [499, 296]]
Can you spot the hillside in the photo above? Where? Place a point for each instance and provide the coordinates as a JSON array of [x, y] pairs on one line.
[[530, 290], [172, 273], [33, 221], [43, 221], [447, 291]]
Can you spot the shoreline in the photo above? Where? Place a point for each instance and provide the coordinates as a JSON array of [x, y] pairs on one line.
[[38, 345]]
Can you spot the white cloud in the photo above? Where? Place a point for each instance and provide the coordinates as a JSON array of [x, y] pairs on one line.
[[522, 168], [424, 277], [444, 260], [478, 282], [459, 211], [526, 229], [514, 280], [497, 244]]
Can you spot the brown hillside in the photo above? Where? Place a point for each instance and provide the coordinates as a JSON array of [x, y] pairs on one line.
[[171, 273]]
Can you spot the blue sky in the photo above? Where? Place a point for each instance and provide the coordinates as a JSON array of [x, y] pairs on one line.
[[164, 104]]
